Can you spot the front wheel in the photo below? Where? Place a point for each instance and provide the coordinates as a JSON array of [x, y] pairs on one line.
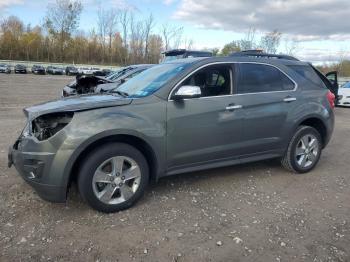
[[304, 150], [113, 177]]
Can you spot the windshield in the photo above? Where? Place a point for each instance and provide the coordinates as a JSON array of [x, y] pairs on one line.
[[149, 81]]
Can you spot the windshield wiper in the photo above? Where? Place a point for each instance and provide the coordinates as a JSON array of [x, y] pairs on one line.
[[121, 93]]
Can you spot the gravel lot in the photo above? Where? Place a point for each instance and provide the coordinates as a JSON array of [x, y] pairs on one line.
[[254, 212]]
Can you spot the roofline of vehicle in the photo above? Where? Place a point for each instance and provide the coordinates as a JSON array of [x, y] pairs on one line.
[[185, 50], [230, 59]]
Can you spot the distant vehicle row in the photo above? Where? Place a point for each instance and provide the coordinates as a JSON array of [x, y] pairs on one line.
[[88, 83], [54, 70]]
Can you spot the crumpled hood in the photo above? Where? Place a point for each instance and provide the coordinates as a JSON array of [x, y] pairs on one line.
[[83, 79], [107, 87], [76, 103]]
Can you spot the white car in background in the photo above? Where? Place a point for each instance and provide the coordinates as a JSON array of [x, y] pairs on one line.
[[87, 70], [344, 95]]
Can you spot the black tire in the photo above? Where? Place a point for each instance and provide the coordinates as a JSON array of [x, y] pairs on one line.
[[94, 159], [289, 160]]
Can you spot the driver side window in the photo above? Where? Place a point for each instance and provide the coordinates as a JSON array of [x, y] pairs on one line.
[[213, 80]]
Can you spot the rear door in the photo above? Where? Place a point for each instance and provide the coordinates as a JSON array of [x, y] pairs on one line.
[[266, 95]]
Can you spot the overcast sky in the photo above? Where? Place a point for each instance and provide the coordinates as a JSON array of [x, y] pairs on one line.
[[321, 26]]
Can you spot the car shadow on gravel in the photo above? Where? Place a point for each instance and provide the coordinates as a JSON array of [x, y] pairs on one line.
[[168, 185]]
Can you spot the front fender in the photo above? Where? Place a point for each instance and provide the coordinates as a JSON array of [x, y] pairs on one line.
[[89, 127]]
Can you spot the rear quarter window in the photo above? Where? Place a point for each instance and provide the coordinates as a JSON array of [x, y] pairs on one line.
[[308, 73]]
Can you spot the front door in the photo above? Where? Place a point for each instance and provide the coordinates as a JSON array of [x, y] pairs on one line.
[[206, 129]]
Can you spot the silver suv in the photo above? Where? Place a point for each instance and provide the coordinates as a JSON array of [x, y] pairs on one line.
[[180, 116]]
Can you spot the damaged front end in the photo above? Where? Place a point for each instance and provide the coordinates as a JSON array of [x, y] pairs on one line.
[[34, 155], [46, 126], [84, 84]]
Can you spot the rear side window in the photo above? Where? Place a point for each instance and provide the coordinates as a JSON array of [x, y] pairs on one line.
[[256, 78], [308, 73]]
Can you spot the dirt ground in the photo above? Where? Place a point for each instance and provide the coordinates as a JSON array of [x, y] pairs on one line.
[[253, 212]]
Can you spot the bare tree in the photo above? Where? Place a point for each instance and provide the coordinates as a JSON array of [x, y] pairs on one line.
[[102, 24], [136, 39], [248, 42], [125, 21], [11, 31], [148, 26], [291, 46], [62, 19], [155, 47], [188, 43], [170, 33], [271, 41], [113, 17], [167, 35], [177, 32], [342, 58]]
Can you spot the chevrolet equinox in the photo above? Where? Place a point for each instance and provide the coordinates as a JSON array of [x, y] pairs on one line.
[[180, 116]]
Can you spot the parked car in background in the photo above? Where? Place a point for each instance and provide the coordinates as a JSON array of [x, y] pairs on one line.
[[346, 85], [4, 68], [85, 84], [54, 70], [38, 70], [122, 78], [183, 53], [176, 117], [86, 70], [20, 69], [344, 95], [103, 72], [71, 71]]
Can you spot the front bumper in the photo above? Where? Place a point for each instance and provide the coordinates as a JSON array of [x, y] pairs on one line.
[[35, 169], [39, 72], [20, 71]]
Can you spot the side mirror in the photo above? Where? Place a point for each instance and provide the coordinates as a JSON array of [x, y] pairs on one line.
[[187, 92]]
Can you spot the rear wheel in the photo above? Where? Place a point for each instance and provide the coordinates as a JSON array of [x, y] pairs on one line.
[[304, 150], [113, 177]]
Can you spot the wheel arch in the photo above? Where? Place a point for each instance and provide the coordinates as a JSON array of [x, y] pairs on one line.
[[318, 124], [72, 168]]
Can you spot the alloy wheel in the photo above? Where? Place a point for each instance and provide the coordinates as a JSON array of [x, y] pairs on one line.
[[116, 180], [307, 150]]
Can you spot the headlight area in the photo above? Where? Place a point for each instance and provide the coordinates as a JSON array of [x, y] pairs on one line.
[[46, 126]]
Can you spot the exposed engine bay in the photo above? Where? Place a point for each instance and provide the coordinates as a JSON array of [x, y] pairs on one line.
[[48, 125], [85, 84]]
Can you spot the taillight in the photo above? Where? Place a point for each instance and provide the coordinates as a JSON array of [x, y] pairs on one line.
[[331, 99]]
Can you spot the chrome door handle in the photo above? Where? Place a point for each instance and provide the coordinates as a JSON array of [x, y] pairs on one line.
[[289, 99], [234, 107]]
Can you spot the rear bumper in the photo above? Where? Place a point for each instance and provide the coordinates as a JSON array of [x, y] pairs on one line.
[[34, 168]]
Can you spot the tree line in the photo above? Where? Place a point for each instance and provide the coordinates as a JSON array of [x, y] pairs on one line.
[[119, 37], [342, 67]]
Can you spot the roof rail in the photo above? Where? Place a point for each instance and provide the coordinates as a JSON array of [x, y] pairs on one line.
[[259, 53]]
